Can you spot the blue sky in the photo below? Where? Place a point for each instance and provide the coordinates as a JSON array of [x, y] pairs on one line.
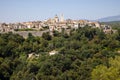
[[30, 10]]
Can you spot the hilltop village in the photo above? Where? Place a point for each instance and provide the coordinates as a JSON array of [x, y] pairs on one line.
[[59, 49], [53, 24]]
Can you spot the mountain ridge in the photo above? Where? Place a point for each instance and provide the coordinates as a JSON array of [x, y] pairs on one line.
[[109, 19]]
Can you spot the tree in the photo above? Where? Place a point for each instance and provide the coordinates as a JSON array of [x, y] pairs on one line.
[[110, 72], [46, 36]]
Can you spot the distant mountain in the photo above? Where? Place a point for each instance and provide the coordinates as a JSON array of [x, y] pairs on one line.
[[109, 19], [113, 24]]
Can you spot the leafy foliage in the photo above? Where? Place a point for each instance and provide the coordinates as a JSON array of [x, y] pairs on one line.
[[79, 52], [111, 72]]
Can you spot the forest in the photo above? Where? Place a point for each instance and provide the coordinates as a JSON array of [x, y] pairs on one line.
[[83, 54]]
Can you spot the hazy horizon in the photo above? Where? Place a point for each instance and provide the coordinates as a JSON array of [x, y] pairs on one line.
[[30, 10]]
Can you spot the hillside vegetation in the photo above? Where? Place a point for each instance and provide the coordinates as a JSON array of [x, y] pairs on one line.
[[113, 24], [83, 54]]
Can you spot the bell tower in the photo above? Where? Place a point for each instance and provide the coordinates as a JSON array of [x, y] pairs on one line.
[[56, 18], [61, 18]]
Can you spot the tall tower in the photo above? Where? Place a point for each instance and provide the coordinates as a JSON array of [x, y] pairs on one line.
[[56, 18], [61, 18]]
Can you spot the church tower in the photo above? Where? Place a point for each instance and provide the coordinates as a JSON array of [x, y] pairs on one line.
[[56, 18], [61, 18]]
